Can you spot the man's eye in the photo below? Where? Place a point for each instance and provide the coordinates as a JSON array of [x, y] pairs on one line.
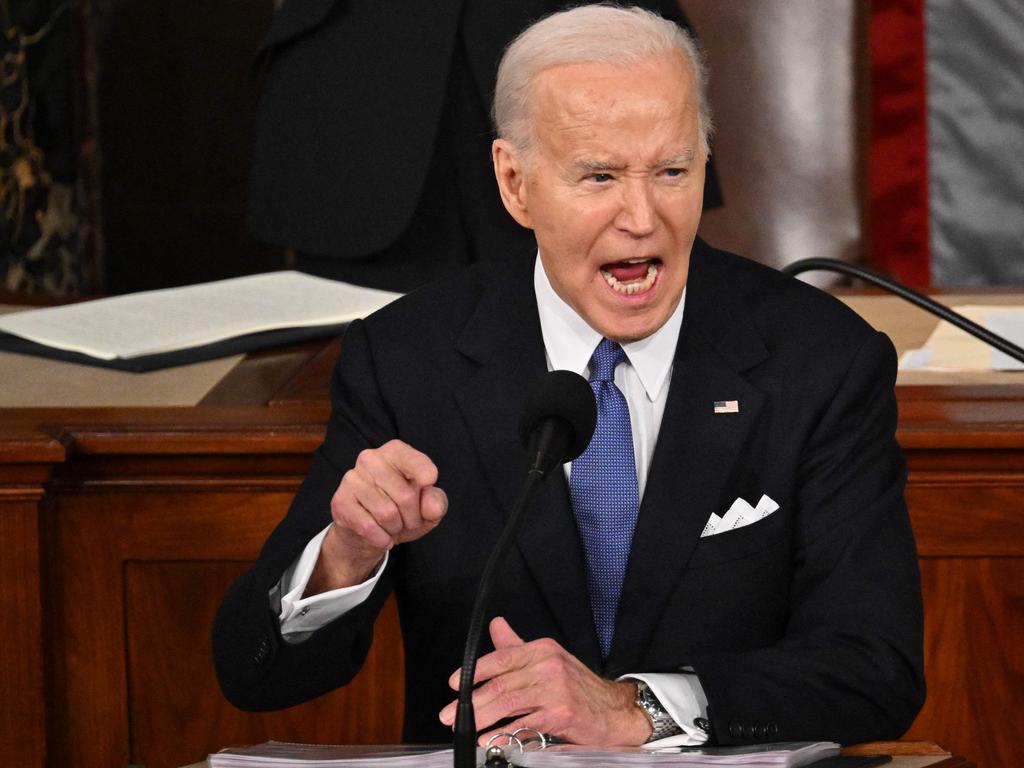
[[601, 178], [674, 173]]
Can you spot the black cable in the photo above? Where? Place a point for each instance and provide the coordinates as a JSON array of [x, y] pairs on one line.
[[924, 302]]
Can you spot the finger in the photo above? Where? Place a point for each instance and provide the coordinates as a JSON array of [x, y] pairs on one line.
[[378, 469], [371, 498], [510, 695], [354, 521], [415, 466], [447, 713], [433, 505], [502, 634], [505, 696], [496, 663]]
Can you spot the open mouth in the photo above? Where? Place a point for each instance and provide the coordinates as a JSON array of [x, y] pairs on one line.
[[631, 276]]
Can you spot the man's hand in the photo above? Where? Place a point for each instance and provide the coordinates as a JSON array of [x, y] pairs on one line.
[[387, 498], [543, 687]]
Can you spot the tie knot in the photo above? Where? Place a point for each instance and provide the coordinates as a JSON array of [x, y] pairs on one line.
[[607, 355]]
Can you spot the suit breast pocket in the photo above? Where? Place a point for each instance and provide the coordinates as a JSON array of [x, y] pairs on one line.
[[740, 542]]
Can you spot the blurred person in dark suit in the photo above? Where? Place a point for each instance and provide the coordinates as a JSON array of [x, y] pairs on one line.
[[372, 151]]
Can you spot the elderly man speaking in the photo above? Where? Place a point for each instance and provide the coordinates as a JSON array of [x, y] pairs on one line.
[[731, 557]]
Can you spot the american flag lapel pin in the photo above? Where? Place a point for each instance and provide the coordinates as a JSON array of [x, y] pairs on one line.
[[727, 406]]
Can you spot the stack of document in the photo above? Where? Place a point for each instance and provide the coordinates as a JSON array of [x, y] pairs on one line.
[[276, 753], [951, 349], [272, 753], [780, 755], [154, 329]]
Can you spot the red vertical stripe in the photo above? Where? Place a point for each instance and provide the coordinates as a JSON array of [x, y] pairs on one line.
[[898, 151]]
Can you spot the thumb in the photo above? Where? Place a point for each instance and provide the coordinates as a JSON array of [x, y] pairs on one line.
[[502, 634]]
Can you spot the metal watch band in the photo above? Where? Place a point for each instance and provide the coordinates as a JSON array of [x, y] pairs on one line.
[[662, 724]]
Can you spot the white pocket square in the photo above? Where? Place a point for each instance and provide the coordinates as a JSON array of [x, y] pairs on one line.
[[739, 515]]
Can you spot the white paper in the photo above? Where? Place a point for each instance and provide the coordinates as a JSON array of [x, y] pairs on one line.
[[950, 349], [1009, 325], [783, 755], [171, 319]]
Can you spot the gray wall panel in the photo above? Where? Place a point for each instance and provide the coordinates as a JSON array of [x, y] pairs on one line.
[[783, 87], [976, 140]]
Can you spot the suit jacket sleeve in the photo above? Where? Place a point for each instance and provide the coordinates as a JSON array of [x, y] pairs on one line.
[[257, 670], [849, 666]]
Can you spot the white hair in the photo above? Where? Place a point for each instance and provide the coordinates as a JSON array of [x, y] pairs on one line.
[[603, 33]]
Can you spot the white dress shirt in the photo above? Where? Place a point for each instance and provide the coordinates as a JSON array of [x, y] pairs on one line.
[[568, 344]]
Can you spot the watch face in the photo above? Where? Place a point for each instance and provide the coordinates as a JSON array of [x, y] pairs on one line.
[[662, 724]]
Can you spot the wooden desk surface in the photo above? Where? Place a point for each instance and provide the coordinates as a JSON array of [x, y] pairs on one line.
[[122, 526]]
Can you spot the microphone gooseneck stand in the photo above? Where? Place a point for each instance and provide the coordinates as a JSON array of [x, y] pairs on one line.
[[908, 294], [465, 720], [556, 427]]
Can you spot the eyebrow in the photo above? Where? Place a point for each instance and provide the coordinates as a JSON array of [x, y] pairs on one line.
[[683, 157], [597, 166], [603, 166]]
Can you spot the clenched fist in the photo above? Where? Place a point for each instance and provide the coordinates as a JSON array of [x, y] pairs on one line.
[[387, 498]]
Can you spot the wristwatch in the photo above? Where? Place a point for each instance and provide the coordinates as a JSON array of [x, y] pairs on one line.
[[662, 724]]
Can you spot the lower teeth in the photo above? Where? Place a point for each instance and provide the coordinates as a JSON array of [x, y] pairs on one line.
[[634, 286]]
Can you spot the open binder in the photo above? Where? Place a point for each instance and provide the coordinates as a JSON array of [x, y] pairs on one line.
[[159, 329], [539, 753]]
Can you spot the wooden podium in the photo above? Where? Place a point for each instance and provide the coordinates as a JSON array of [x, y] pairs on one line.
[[122, 525]]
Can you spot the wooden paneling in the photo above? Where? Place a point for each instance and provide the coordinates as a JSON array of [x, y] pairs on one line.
[[176, 709], [25, 465], [966, 507], [974, 655], [142, 571], [22, 686]]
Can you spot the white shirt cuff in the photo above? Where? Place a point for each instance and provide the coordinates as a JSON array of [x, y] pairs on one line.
[[301, 616], [682, 696]]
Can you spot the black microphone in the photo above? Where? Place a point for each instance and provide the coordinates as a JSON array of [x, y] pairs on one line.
[[558, 421], [556, 427]]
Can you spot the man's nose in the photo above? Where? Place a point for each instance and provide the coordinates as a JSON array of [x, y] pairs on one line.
[[636, 215]]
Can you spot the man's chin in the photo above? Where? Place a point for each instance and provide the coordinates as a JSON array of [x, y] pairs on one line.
[[626, 329]]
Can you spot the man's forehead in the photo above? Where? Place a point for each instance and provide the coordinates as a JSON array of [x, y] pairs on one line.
[[588, 78], [573, 98]]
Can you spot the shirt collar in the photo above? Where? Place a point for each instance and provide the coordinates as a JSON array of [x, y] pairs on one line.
[[569, 341]]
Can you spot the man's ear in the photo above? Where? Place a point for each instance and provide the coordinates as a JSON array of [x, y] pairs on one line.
[[509, 170]]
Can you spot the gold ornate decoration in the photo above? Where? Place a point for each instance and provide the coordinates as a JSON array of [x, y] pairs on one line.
[[39, 230]]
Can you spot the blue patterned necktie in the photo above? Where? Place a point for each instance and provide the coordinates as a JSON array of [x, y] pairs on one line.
[[604, 491]]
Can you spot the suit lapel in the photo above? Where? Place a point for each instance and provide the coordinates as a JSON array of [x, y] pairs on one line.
[[504, 339], [695, 451]]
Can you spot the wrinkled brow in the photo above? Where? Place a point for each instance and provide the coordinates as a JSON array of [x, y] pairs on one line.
[[588, 165], [681, 159]]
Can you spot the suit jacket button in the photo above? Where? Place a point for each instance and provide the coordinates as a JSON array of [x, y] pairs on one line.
[[773, 729], [736, 730], [759, 731], [262, 650]]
